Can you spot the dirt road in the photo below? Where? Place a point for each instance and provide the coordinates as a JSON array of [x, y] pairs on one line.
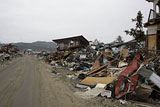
[[27, 82]]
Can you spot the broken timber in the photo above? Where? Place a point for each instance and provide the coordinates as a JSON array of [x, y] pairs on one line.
[[100, 68]]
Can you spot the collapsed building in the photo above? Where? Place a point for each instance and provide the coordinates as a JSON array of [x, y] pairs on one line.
[[114, 70], [71, 43]]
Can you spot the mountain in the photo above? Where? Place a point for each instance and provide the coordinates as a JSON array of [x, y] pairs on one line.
[[37, 46]]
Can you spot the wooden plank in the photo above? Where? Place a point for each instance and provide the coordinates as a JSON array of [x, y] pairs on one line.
[[91, 81], [96, 64], [152, 42], [149, 59], [100, 68]]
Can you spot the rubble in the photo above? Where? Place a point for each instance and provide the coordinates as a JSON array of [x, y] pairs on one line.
[[125, 70], [92, 81], [7, 52], [121, 71], [92, 93]]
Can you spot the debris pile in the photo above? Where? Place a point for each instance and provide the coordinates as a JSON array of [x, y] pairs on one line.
[[120, 71], [125, 77], [7, 52]]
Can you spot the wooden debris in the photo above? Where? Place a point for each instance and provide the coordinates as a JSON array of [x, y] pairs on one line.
[[124, 53], [92, 81], [100, 68], [122, 64]]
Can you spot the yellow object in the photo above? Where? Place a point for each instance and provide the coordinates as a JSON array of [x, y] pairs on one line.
[[91, 81]]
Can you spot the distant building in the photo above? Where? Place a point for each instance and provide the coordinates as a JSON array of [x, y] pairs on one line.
[[71, 43], [28, 51], [153, 27]]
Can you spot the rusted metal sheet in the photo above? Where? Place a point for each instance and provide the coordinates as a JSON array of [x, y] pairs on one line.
[[125, 82], [100, 68]]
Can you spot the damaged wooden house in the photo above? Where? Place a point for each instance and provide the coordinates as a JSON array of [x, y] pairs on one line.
[[153, 27], [71, 43]]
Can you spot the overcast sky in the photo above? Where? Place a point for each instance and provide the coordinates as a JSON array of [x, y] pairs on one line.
[[44, 20]]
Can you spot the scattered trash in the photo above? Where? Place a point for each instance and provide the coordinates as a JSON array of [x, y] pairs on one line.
[[145, 91], [92, 81], [123, 102], [71, 76], [106, 93], [7, 52], [91, 93], [82, 86], [124, 69]]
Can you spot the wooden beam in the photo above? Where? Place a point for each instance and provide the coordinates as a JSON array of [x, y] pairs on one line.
[[100, 68]]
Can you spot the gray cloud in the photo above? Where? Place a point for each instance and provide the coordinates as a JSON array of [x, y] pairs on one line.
[[32, 20]]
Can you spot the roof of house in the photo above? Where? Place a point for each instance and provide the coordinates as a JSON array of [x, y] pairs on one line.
[[153, 1], [75, 38], [150, 0], [152, 22], [117, 44]]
